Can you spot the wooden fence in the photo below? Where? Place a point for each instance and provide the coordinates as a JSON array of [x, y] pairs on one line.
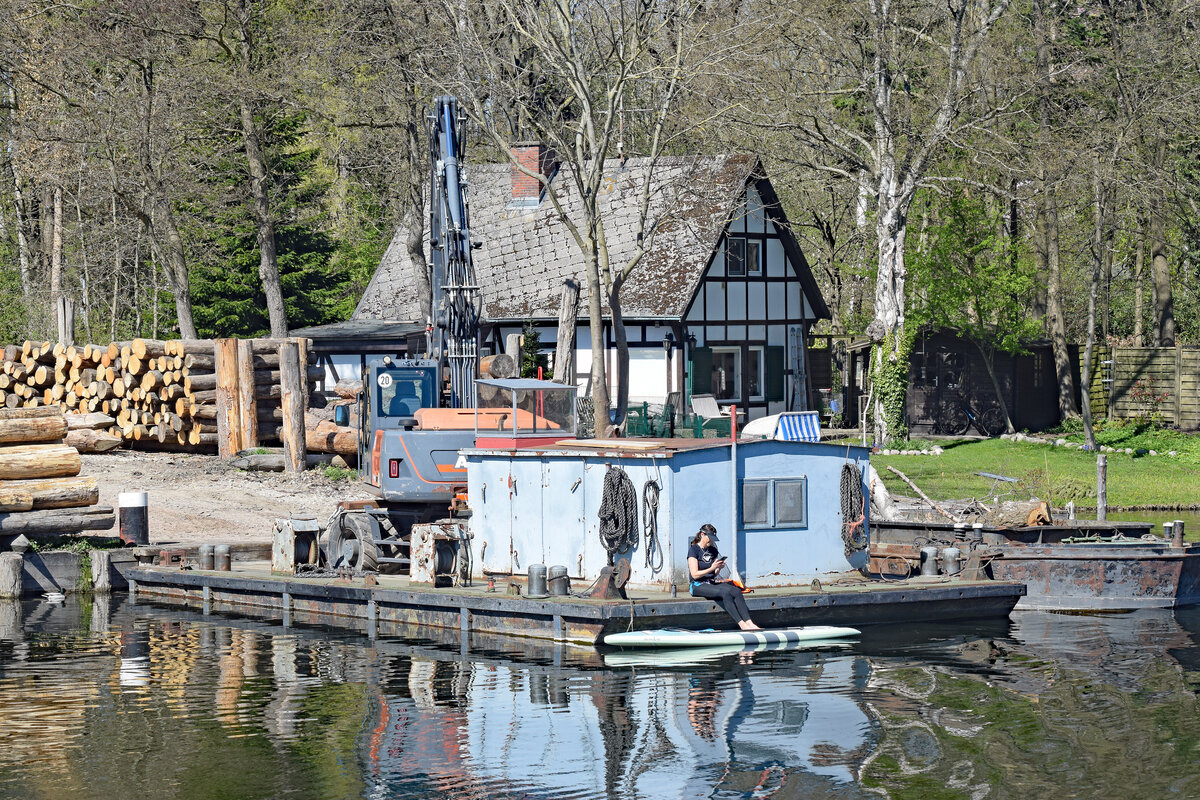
[[1147, 382]]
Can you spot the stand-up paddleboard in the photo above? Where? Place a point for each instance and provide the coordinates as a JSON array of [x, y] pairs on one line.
[[678, 637], [684, 656]]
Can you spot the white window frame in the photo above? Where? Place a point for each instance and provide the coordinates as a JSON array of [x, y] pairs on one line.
[[754, 266], [772, 523]]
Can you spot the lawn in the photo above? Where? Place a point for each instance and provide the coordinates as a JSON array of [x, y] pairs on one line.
[[1057, 474]]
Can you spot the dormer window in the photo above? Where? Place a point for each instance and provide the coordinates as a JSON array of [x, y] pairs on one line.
[[742, 256]]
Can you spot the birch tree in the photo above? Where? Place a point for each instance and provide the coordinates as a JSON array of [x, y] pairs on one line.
[[878, 88]]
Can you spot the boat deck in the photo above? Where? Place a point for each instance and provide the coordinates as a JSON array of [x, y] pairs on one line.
[[386, 603]]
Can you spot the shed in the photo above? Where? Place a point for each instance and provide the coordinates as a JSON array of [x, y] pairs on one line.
[[541, 506]]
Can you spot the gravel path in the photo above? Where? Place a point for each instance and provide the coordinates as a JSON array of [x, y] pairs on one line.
[[197, 498]]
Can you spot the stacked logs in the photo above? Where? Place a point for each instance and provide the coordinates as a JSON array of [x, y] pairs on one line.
[[147, 387], [158, 394], [41, 490]]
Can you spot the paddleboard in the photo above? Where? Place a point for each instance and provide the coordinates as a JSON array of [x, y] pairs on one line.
[[683, 656], [678, 637]]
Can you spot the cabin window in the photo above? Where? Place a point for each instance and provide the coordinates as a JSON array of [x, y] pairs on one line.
[[742, 256], [775, 503]]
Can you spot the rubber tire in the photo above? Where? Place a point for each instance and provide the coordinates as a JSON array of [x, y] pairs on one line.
[[353, 526], [991, 422], [952, 420]]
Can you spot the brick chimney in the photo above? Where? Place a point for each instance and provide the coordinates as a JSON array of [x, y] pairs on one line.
[[535, 156]]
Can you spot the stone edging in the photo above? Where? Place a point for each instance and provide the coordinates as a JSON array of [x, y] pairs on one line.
[[1060, 442]]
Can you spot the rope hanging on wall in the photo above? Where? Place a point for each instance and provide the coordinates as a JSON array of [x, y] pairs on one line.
[[618, 513], [854, 533], [654, 553]]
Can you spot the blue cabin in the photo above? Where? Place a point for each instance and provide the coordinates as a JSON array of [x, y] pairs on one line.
[[542, 505]]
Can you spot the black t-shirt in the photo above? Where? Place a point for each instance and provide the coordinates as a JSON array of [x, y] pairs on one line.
[[705, 556]]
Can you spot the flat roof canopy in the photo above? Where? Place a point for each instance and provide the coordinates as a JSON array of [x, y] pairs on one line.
[[519, 384]]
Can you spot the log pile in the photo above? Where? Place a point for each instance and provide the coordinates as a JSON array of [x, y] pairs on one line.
[[146, 387], [41, 490], [147, 393]]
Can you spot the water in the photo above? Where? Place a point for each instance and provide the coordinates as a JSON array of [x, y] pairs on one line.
[[119, 701]]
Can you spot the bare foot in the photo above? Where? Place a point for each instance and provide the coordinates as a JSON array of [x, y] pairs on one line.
[[747, 625]]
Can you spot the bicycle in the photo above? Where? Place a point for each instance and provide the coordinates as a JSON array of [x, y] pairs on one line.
[[958, 414]]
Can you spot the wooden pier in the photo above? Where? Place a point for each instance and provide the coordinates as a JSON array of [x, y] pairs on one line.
[[392, 600]]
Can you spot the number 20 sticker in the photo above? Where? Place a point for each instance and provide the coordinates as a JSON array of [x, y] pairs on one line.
[[385, 380]]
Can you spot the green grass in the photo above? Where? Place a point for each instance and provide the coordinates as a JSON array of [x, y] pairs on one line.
[[335, 473], [1057, 474]]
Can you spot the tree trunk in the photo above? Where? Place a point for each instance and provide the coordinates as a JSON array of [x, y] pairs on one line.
[[1139, 267], [989, 362], [564, 352], [56, 253], [1093, 291], [268, 267], [1054, 309], [603, 425], [38, 461], [1160, 275]]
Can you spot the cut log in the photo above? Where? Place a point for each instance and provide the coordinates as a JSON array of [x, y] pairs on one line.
[[342, 441], [202, 382], [292, 430], [29, 413], [36, 429], [100, 518], [229, 436], [38, 461], [247, 404], [77, 422], [86, 440], [199, 362], [148, 348], [348, 389], [81, 490], [498, 366], [274, 462], [15, 499]]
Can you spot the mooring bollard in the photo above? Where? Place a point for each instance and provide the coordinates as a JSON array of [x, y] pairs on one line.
[[1177, 531], [135, 524], [221, 558], [101, 577], [207, 557], [11, 567]]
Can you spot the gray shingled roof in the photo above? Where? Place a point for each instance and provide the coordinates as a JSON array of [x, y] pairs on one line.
[[526, 253]]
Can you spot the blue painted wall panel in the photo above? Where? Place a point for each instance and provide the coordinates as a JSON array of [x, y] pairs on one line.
[[549, 511]]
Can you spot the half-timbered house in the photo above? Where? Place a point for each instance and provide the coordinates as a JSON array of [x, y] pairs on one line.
[[720, 303]]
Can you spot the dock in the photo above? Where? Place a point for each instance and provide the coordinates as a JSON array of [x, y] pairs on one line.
[[392, 601]]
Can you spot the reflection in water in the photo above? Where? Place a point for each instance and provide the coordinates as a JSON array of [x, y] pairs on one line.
[[108, 699]]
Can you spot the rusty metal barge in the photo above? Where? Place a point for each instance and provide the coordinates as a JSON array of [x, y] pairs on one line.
[[1070, 565]]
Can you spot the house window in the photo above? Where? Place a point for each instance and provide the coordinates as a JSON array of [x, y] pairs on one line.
[[1038, 366], [726, 373], [755, 372], [775, 503], [742, 256]]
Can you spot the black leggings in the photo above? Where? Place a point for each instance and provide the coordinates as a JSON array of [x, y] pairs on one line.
[[728, 595]]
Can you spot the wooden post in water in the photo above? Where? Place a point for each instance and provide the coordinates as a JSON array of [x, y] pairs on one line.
[[292, 431], [229, 428], [1101, 487], [247, 403]]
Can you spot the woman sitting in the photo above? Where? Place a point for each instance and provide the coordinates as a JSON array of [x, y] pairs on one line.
[[704, 562]]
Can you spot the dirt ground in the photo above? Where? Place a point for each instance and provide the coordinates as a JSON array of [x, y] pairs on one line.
[[199, 498]]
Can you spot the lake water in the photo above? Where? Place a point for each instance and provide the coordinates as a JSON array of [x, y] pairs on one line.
[[106, 699]]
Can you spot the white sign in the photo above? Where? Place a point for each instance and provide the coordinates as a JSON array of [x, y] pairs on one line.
[[385, 380]]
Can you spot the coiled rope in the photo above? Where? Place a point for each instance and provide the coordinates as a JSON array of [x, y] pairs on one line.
[[854, 510], [618, 513], [654, 553]]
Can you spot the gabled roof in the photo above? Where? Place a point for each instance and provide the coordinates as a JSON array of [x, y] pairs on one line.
[[525, 253]]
